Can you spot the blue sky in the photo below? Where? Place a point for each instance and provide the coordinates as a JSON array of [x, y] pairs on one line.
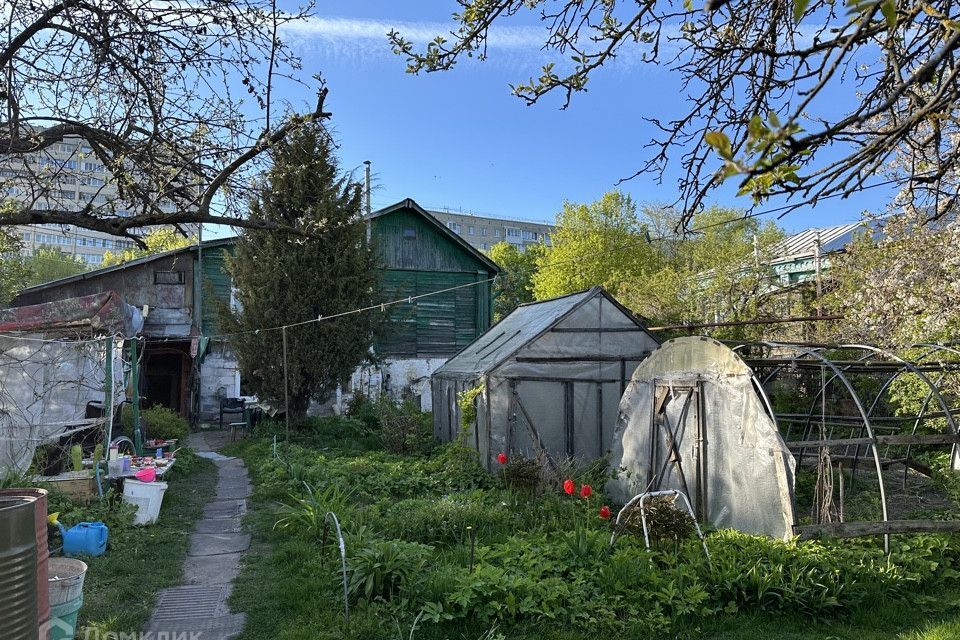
[[460, 140]]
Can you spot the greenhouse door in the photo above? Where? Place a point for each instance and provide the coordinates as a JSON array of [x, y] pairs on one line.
[[678, 452]]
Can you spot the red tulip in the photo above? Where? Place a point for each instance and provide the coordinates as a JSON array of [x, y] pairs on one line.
[[586, 491], [568, 487], [502, 458], [605, 512]]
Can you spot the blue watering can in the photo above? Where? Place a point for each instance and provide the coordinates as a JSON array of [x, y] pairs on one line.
[[86, 538]]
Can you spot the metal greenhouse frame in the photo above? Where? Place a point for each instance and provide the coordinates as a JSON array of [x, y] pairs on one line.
[[848, 418]]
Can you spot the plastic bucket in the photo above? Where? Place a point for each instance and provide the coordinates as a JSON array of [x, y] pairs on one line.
[[63, 619], [65, 586], [148, 496]]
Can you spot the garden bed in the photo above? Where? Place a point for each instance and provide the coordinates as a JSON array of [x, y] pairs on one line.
[[541, 565]]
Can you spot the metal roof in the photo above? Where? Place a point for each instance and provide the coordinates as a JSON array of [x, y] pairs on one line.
[[525, 324], [96, 273], [804, 244]]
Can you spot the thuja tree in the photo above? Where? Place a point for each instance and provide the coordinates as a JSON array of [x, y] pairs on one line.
[[283, 278]]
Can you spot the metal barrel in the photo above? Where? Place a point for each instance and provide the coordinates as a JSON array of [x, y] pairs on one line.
[[18, 569], [43, 549]]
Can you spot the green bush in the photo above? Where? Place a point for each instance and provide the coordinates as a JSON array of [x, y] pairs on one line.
[[403, 427], [159, 423]]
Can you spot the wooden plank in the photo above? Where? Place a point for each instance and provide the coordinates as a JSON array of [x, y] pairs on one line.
[[857, 529], [921, 439]]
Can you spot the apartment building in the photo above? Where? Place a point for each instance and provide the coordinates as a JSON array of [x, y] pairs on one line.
[[482, 232], [66, 175]]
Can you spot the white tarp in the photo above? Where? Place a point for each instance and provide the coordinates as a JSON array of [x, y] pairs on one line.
[[45, 386]]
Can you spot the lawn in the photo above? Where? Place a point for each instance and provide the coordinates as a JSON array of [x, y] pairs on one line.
[[121, 586], [541, 565]]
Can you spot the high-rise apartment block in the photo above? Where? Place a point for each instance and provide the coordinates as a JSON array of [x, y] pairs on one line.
[[482, 232], [64, 176]]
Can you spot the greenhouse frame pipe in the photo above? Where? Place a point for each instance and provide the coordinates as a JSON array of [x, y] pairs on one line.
[[866, 421]]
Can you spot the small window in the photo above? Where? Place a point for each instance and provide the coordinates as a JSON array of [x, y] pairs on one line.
[[483, 231], [409, 233], [470, 230], [168, 277]]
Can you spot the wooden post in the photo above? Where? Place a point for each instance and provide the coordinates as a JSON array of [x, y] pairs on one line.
[[286, 387]]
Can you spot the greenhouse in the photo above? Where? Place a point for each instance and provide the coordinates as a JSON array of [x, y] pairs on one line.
[[545, 379]]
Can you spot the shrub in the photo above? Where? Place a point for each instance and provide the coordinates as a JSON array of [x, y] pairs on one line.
[[404, 428], [158, 421]]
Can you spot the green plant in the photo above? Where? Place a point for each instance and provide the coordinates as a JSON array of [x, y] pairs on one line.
[[445, 520], [76, 457], [403, 427], [306, 515], [467, 401], [159, 423], [384, 568]]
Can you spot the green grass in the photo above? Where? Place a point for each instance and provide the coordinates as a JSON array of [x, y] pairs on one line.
[[290, 588], [121, 586]]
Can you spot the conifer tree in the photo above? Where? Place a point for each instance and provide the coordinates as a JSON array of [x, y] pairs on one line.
[[283, 278]]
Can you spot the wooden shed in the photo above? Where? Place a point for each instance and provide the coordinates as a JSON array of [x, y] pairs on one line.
[[420, 255]]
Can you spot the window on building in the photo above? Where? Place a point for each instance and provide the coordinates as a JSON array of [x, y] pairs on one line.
[[470, 230], [485, 246], [168, 277], [454, 226], [91, 181], [409, 233], [529, 235], [93, 166], [496, 233], [513, 232], [483, 232]]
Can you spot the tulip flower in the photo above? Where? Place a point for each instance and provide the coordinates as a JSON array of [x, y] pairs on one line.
[[605, 512], [586, 491], [502, 458], [568, 487]]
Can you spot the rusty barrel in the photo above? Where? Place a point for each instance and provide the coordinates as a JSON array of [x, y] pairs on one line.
[[43, 550], [18, 569]]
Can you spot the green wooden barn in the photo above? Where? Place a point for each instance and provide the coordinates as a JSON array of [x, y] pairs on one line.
[[420, 256]]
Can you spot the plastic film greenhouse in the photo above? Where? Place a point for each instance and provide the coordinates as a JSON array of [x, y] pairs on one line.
[[548, 378]]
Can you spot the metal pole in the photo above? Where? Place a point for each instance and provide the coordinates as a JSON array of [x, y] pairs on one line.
[[135, 392], [368, 207], [816, 254], [108, 393], [286, 386]]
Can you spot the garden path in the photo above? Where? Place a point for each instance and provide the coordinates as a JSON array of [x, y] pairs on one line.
[[198, 608]]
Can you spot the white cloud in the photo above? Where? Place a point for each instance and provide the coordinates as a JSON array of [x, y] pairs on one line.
[[375, 31]]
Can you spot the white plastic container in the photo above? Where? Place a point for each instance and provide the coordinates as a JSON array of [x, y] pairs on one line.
[[148, 496]]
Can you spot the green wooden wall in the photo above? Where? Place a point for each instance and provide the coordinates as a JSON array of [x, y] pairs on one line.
[[216, 286], [418, 259]]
